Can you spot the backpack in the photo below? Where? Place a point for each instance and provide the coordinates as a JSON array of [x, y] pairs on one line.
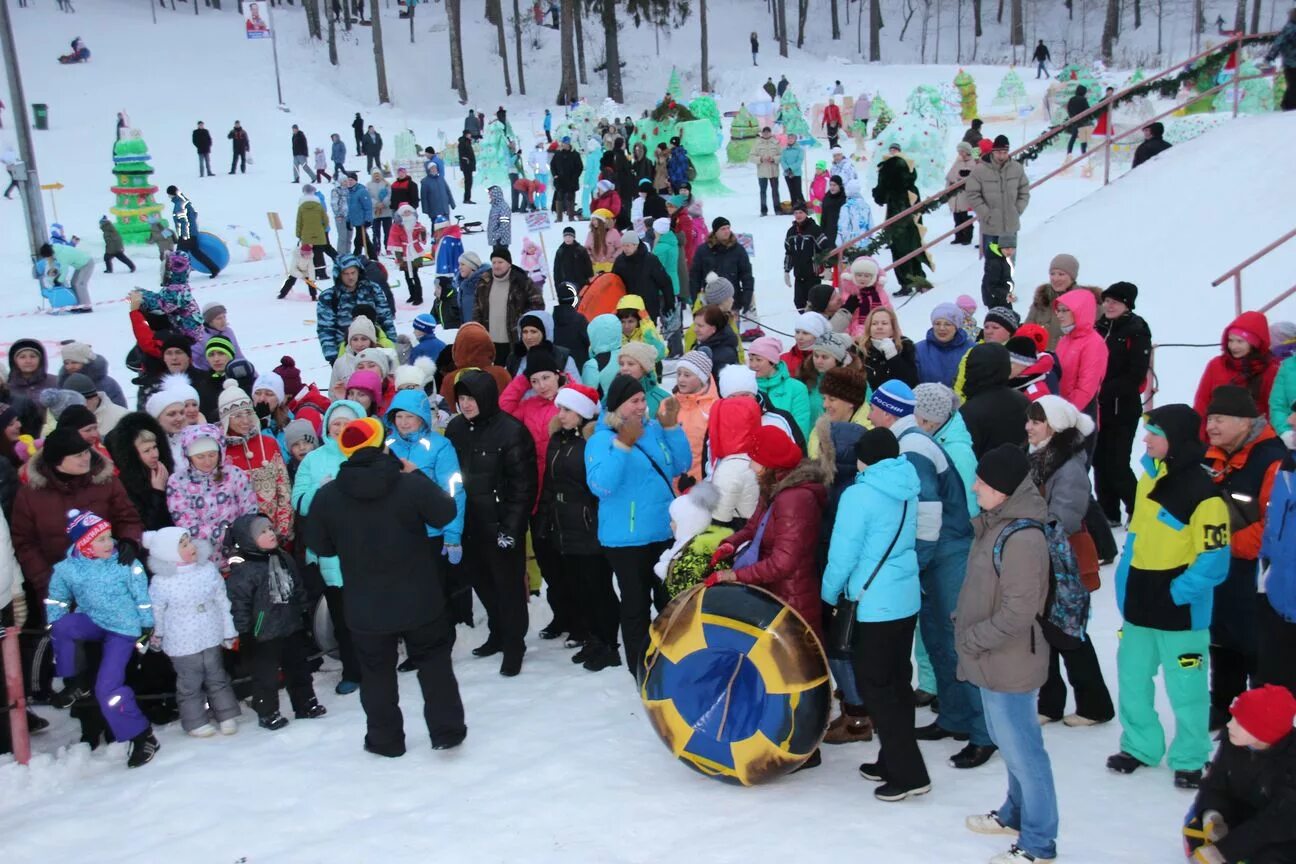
[[1066, 609]]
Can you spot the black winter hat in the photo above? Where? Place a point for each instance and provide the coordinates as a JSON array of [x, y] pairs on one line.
[[568, 294], [1001, 143], [63, 442], [1232, 401], [1125, 292], [76, 417], [621, 389], [176, 339], [718, 223], [531, 319], [569, 230], [875, 445], [1004, 468], [818, 296], [1021, 349], [80, 383], [541, 360], [1004, 317], [502, 252]]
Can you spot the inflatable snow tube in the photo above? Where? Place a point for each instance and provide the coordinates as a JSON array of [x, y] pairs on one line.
[[214, 248], [736, 683], [601, 296]]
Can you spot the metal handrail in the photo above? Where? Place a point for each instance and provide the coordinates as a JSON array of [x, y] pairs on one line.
[[1233, 42], [1236, 274], [1106, 149]]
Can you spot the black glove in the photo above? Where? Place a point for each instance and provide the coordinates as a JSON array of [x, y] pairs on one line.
[[127, 552], [852, 303]]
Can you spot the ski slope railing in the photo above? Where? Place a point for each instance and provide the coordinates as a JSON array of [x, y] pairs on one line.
[[1233, 45], [1235, 274], [1105, 148]]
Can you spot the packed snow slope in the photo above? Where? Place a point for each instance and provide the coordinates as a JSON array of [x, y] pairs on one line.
[[559, 765]]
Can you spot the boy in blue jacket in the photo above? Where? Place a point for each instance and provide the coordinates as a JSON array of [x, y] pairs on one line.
[[113, 607], [429, 345], [412, 439]]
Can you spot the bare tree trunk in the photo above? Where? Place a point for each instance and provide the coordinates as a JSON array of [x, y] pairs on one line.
[[346, 14], [803, 7], [454, 19], [502, 45], [568, 91], [332, 40], [612, 51], [1255, 16], [517, 41], [836, 28], [999, 14], [312, 19], [958, 34], [1160, 7], [1138, 13], [380, 63], [976, 20], [875, 31], [492, 11], [936, 50], [1111, 28], [702, 21], [781, 6], [411, 21], [1239, 18], [580, 41], [1018, 26]]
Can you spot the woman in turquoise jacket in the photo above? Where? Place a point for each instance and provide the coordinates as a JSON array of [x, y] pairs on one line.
[[435, 456], [605, 344], [783, 391], [319, 467], [874, 538], [631, 462]]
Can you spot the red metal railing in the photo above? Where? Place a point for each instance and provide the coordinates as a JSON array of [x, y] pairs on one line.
[[1236, 275]]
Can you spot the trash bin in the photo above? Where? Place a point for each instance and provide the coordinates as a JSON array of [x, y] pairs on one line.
[[40, 114]]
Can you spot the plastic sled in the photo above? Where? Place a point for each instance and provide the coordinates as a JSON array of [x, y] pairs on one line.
[[214, 248], [600, 296], [59, 297]]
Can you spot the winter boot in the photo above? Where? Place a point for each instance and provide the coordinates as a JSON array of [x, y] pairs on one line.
[[1124, 763], [488, 648], [973, 756], [892, 792], [310, 711], [588, 650], [553, 630], [229, 727], [604, 657], [1187, 779], [512, 663], [35, 723], [346, 688], [848, 728], [407, 665], [1017, 855], [206, 730], [143, 747], [449, 742], [274, 722], [923, 699]]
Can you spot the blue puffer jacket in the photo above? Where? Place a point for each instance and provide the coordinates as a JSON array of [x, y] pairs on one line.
[[359, 206], [938, 362], [466, 289], [1278, 550], [677, 167], [634, 498], [868, 517], [944, 527], [320, 466], [956, 441], [115, 596], [432, 454]]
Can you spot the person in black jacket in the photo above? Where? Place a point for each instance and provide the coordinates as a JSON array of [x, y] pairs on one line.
[[1244, 807], [358, 127], [498, 460], [1152, 144], [723, 255], [566, 167], [241, 145], [202, 142], [1120, 401], [142, 454], [887, 353], [994, 412], [643, 274], [833, 200], [571, 330], [1081, 129], [374, 517], [568, 518], [572, 261], [300, 154], [1041, 58], [372, 144], [268, 602], [804, 242], [467, 165]]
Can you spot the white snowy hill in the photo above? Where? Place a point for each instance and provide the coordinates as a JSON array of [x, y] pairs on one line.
[[561, 765]]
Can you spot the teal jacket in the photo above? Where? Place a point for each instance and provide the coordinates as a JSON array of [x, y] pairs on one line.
[[666, 248], [789, 394], [955, 438], [320, 465], [792, 159], [869, 515], [113, 595], [605, 338], [432, 454], [1282, 396]]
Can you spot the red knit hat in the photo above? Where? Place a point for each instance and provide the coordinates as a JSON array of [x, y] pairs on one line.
[[358, 434], [1036, 333], [774, 449], [1267, 712]]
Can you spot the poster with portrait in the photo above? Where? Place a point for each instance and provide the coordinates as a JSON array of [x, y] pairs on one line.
[[256, 25]]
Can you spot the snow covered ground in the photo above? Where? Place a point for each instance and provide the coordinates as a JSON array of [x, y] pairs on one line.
[[559, 764]]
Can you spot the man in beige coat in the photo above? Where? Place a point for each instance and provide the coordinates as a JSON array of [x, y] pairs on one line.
[[767, 153], [1001, 648]]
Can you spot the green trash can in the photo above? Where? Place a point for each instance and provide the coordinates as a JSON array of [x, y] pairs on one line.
[[40, 113]]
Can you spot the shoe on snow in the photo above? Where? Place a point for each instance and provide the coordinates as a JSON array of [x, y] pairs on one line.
[[935, 732], [407, 665], [69, 695], [274, 722], [229, 727], [553, 630], [206, 730], [989, 823], [346, 688], [310, 711], [872, 772], [1188, 779], [1016, 855], [894, 792], [35, 723], [143, 747], [1045, 719], [487, 649], [1124, 763], [511, 664], [922, 698], [449, 742], [606, 657], [847, 730], [575, 642], [588, 650], [972, 756], [815, 760], [1077, 720]]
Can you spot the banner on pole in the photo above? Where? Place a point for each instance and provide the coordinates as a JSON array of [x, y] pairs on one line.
[[256, 26], [538, 221]]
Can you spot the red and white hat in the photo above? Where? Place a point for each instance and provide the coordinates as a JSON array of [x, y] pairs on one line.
[[579, 398], [83, 527]]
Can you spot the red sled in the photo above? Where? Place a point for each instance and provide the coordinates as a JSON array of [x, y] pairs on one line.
[[600, 296]]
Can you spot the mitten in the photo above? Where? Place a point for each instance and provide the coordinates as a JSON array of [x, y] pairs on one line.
[[723, 552], [887, 347], [454, 553]]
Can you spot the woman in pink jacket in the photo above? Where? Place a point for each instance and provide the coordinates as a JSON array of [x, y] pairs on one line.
[[1081, 351], [542, 378]]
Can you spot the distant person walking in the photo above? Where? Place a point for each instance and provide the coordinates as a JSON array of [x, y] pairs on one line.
[[202, 142], [755, 43], [358, 127], [242, 146], [1041, 58]]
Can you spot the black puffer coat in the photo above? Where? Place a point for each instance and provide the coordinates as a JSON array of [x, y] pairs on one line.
[[568, 509], [643, 274], [498, 460], [902, 367], [994, 412], [252, 603], [149, 502]]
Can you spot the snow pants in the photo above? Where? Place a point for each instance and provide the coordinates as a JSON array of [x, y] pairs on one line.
[[1182, 657], [633, 566], [1277, 638], [960, 702], [1233, 645], [880, 657], [116, 700], [265, 659], [1114, 480], [201, 681], [499, 578], [81, 283], [1092, 699]]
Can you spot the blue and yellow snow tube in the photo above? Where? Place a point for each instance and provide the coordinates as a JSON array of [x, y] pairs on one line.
[[736, 683]]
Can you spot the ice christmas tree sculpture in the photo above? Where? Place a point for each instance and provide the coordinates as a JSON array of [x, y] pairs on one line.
[[882, 115], [495, 158], [791, 118], [927, 102], [134, 189], [967, 95], [1011, 90], [742, 136], [1071, 77], [674, 88], [923, 142], [1256, 96]]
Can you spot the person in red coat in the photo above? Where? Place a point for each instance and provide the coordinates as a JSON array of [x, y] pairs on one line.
[[1244, 361], [783, 534], [832, 121]]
